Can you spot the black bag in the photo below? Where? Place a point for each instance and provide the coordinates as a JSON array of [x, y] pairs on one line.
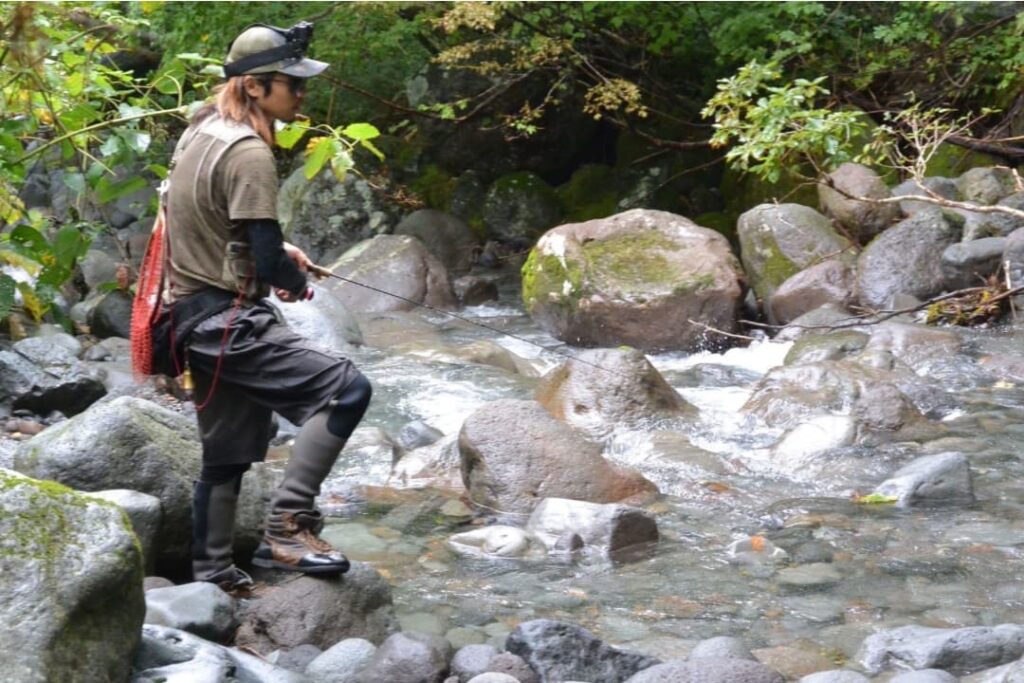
[[175, 323]]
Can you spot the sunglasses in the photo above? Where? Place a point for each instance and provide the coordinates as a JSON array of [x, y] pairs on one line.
[[296, 85]]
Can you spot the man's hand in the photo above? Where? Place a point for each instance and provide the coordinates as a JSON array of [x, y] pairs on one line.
[[297, 255], [287, 297]]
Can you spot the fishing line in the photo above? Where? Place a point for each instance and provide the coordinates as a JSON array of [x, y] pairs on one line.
[[324, 272]]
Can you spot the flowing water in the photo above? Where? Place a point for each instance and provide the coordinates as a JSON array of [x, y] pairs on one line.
[[852, 568]]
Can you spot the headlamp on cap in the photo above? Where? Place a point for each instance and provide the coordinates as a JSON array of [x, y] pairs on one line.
[[263, 49]]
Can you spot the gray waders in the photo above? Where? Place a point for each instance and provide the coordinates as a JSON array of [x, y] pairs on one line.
[[213, 526]]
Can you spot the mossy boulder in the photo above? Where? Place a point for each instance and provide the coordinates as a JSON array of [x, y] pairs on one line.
[[435, 187], [131, 443], [519, 207], [951, 160], [71, 579], [649, 279], [779, 240], [743, 191], [592, 192]]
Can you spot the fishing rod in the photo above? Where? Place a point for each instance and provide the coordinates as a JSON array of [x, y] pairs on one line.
[[322, 272]]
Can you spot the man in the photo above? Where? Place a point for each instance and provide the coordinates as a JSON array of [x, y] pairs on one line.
[[224, 252]]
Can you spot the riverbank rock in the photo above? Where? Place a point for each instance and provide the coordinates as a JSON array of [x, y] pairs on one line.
[[408, 657], [136, 444], [862, 220], [832, 281], [398, 264], [71, 580], [199, 607], [943, 478], [609, 388], [606, 528], [341, 662], [944, 187], [445, 236], [325, 217], [169, 655], [779, 240], [519, 207], [319, 611], [111, 316], [636, 278], [41, 374], [708, 670], [969, 264], [145, 514], [986, 185], [558, 651], [325, 319], [955, 650], [514, 454], [906, 259]]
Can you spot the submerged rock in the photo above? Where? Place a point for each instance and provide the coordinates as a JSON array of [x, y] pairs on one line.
[[708, 670], [943, 478], [496, 541], [955, 650]]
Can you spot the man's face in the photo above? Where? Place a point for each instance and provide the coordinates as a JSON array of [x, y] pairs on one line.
[[284, 99]]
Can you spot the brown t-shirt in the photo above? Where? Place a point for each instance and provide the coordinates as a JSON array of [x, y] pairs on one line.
[[222, 173]]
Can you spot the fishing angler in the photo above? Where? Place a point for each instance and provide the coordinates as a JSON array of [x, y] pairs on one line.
[[215, 253]]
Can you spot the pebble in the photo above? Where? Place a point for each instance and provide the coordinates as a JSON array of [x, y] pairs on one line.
[[815, 575]]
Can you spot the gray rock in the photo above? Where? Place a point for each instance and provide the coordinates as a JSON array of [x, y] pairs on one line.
[[514, 454], [325, 217], [98, 268], [71, 577], [938, 479], [416, 434], [325, 320], [50, 349], [68, 387], [319, 611], [831, 281], [1014, 259], [494, 678], [513, 665], [200, 608], [955, 650], [472, 290], [980, 224], [809, 576], [863, 220], [519, 207], [397, 264], [151, 582], [906, 259], [132, 443], [837, 676], [495, 540], [1008, 673], [779, 240], [721, 646], [608, 388], [969, 264], [296, 658], [708, 670], [609, 528], [144, 513], [558, 651], [472, 660], [341, 662], [445, 236], [812, 348], [985, 185], [168, 655], [408, 657], [943, 187], [649, 279], [924, 676], [916, 346], [112, 315], [822, 319]]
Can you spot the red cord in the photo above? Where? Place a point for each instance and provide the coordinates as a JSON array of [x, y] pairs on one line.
[[220, 356]]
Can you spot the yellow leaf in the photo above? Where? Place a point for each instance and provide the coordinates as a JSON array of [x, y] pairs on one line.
[[31, 302], [875, 499]]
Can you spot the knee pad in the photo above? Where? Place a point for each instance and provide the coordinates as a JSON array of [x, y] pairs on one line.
[[348, 408], [222, 474]]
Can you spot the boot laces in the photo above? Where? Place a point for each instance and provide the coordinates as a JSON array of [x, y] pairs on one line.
[[318, 544]]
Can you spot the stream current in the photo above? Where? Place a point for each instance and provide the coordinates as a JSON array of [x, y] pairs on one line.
[[852, 569]]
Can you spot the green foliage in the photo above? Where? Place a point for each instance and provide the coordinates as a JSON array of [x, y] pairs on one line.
[[334, 145], [771, 127]]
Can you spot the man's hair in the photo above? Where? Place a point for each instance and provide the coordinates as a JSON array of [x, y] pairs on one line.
[[233, 103]]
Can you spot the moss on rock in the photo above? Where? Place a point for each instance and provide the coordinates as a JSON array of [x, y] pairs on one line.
[[435, 187], [590, 193]]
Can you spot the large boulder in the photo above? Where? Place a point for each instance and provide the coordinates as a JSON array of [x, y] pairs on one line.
[[832, 281], [906, 259], [71, 580], [649, 279], [111, 316], [862, 220], [779, 240], [558, 651], [319, 611], [445, 236], [42, 374], [514, 453], [986, 185], [396, 264], [325, 217], [945, 188], [136, 444], [956, 650], [606, 388], [519, 207]]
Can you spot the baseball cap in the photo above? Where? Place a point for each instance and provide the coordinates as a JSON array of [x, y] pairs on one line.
[[263, 49]]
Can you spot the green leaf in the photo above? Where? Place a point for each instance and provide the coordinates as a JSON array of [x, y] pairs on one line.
[[137, 140], [370, 146], [29, 237], [325, 148], [288, 136], [158, 170], [75, 182], [111, 146], [7, 287], [79, 116], [361, 131], [69, 245], [107, 191], [75, 83], [341, 163]]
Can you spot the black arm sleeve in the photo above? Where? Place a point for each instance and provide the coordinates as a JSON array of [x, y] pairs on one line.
[[273, 265]]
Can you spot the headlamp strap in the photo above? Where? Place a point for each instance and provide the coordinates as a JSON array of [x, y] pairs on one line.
[[296, 41]]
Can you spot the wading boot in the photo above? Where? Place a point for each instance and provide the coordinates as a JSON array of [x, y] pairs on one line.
[[213, 526], [290, 542]]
